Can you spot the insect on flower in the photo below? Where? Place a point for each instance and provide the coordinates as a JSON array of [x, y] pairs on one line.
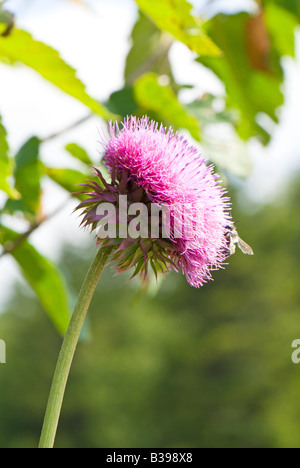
[[234, 239]]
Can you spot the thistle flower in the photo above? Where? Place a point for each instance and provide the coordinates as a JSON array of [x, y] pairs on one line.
[[154, 166]]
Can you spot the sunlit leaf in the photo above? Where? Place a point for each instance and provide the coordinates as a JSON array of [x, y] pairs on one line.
[[21, 47], [79, 153], [292, 6], [160, 98], [5, 165], [27, 179], [69, 179], [175, 17], [281, 24], [43, 277]]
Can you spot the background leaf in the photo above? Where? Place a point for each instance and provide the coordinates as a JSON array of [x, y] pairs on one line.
[[281, 24], [69, 179], [151, 95], [123, 102], [250, 90], [6, 22], [5, 165], [27, 179], [175, 17], [43, 277], [21, 47], [79, 153], [149, 50], [292, 6]]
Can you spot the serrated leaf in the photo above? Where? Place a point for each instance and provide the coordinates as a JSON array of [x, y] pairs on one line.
[[79, 153], [5, 165], [27, 179], [153, 96], [43, 277], [250, 91], [21, 47], [175, 17]]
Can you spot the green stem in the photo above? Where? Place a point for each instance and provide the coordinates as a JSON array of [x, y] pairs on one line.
[[68, 349]]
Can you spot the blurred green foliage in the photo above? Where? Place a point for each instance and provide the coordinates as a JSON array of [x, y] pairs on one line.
[[5, 164], [42, 276], [175, 17], [27, 178], [153, 96], [251, 68], [183, 368]]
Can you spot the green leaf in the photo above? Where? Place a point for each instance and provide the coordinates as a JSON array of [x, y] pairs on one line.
[[292, 6], [27, 179], [79, 153], [69, 179], [43, 277], [20, 46], [282, 24], [153, 96], [122, 102], [5, 165], [175, 17], [149, 51], [6, 22], [250, 91]]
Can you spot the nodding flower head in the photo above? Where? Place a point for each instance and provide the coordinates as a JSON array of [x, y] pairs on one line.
[[163, 208]]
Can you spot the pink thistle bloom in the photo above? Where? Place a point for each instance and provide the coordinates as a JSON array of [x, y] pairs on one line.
[[154, 165]]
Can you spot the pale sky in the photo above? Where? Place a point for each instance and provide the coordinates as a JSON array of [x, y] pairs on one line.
[[95, 42]]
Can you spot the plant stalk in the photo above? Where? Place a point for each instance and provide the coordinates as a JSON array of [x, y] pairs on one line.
[[68, 349]]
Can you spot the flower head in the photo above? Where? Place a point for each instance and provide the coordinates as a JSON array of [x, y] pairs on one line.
[[156, 167]]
